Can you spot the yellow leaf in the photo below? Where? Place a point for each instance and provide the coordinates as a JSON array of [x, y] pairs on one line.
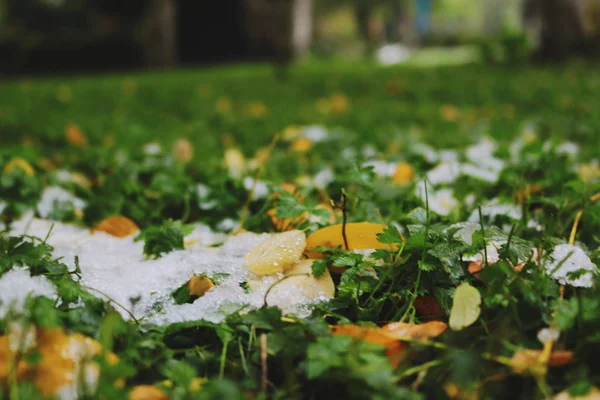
[[302, 145], [235, 162], [404, 173], [276, 253], [465, 307], [20, 163], [360, 236], [312, 285], [147, 392]]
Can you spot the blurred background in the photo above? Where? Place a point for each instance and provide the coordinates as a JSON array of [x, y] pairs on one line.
[[63, 36]]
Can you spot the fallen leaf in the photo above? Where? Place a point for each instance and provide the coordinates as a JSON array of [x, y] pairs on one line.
[[404, 173], [182, 150], [525, 360], [428, 306], [360, 236], [75, 136], [199, 285], [20, 163], [147, 392], [311, 285], [118, 226], [465, 307], [276, 253], [415, 331], [302, 145]]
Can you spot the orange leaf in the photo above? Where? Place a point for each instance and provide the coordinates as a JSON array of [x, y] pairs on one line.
[[147, 392], [117, 225], [365, 333], [75, 136], [394, 349], [199, 285], [416, 331]]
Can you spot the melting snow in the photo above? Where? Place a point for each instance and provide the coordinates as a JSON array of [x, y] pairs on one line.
[[565, 261], [16, 285], [118, 268]]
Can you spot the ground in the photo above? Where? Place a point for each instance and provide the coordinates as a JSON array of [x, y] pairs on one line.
[[477, 182]]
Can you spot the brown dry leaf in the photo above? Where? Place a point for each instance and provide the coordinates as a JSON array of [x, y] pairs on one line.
[[525, 360], [593, 394], [199, 285], [118, 226], [415, 331], [20, 163], [182, 150], [75, 136], [428, 306], [147, 392]]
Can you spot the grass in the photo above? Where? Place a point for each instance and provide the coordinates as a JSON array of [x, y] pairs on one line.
[[263, 354]]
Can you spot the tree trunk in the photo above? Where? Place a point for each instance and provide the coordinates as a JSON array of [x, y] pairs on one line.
[[161, 38], [558, 25]]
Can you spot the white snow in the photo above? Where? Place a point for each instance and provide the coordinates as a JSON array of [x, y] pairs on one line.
[[383, 169], [567, 259], [56, 197], [117, 268], [261, 190], [16, 285], [441, 201]]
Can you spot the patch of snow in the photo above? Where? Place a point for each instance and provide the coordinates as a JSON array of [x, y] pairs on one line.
[[324, 177], [567, 259], [427, 152], [315, 133], [261, 190], [117, 268], [441, 201], [494, 209], [16, 285], [152, 149], [57, 197], [383, 169]]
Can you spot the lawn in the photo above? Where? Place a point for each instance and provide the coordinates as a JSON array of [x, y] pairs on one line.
[[335, 230]]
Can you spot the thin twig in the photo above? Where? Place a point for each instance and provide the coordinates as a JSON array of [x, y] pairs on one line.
[[263, 363], [344, 219]]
